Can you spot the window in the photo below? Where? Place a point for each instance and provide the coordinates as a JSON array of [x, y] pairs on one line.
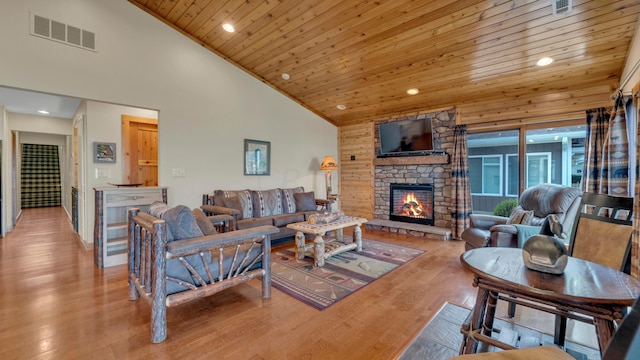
[[490, 168], [513, 173], [555, 155], [538, 168]]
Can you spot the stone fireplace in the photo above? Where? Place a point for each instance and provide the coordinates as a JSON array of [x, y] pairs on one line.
[[411, 203], [432, 170]]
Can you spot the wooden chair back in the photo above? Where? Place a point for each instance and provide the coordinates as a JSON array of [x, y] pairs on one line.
[[602, 230]]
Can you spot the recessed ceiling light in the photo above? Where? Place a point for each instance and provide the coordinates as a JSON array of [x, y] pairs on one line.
[[413, 91], [286, 76], [45, 112], [544, 61], [228, 27], [341, 107]]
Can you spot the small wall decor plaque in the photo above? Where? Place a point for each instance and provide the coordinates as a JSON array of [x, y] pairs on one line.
[[257, 157], [104, 152]]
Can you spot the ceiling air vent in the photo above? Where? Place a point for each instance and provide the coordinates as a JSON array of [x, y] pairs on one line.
[[63, 33], [561, 6]]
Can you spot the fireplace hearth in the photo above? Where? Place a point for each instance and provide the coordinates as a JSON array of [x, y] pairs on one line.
[[411, 203]]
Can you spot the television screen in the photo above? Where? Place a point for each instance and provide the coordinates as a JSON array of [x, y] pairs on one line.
[[406, 136]]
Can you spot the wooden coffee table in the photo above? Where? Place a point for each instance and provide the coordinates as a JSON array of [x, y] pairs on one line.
[[322, 249], [586, 292]]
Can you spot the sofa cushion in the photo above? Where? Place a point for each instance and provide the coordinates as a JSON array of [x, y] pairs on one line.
[[182, 224], [203, 222], [253, 222], [288, 201], [244, 196], [285, 219], [305, 201], [234, 203], [520, 216], [266, 202]]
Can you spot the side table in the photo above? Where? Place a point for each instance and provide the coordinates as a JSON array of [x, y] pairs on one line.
[[586, 291]]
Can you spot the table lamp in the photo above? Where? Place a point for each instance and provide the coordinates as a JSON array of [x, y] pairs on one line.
[[328, 164]]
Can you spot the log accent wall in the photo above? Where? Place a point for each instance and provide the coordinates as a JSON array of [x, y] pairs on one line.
[[356, 169]]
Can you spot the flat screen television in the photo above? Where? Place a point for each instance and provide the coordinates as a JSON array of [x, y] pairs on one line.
[[407, 137]]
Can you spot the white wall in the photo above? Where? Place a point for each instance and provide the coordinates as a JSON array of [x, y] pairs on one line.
[[206, 106], [40, 124]]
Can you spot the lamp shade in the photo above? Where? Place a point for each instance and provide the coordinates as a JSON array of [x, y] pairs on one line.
[[329, 163]]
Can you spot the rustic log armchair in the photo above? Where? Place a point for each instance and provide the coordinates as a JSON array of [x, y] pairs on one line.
[[172, 261]]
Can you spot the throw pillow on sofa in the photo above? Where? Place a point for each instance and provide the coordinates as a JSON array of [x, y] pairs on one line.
[[234, 203], [305, 201], [520, 216], [246, 203], [288, 201], [266, 202]]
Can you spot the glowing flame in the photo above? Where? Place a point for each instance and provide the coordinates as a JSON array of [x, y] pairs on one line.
[[411, 206]]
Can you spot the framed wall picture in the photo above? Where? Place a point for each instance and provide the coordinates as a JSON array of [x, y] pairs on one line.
[[257, 157], [104, 152]]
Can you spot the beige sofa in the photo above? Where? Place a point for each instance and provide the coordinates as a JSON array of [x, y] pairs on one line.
[[276, 207]]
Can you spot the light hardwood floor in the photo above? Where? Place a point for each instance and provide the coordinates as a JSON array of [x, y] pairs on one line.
[[54, 304]]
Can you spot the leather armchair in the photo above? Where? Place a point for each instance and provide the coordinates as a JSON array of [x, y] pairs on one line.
[[542, 199]]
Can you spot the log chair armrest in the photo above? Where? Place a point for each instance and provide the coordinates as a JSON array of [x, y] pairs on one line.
[[205, 243], [323, 202], [212, 210], [221, 222]]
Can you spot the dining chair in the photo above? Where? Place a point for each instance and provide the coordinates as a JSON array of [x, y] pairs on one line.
[[601, 234]]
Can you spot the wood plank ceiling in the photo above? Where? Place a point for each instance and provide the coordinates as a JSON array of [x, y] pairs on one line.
[[476, 55]]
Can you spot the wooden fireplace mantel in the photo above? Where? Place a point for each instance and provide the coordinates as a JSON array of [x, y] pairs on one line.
[[433, 159]]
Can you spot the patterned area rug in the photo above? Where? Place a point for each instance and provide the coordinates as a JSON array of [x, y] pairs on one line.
[[440, 339], [342, 274]]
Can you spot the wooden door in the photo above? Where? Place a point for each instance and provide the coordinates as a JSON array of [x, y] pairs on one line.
[[140, 150]]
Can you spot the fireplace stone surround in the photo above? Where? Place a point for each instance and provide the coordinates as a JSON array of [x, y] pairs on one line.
[[436, 172]]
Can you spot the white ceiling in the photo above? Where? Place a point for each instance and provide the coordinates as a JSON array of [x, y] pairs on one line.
[[29, 102]]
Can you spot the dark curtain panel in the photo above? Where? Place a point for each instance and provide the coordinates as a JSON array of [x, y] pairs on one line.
[[461, 191], [614, 175], [635, 241], [597, 127]]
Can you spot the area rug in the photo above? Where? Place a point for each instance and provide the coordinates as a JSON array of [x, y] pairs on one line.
[[342, 274], [441, 337]]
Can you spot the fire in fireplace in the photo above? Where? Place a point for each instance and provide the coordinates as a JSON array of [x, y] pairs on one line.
[[411, 203]]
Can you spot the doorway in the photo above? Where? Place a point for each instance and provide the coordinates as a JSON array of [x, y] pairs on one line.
[[140, 150]]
